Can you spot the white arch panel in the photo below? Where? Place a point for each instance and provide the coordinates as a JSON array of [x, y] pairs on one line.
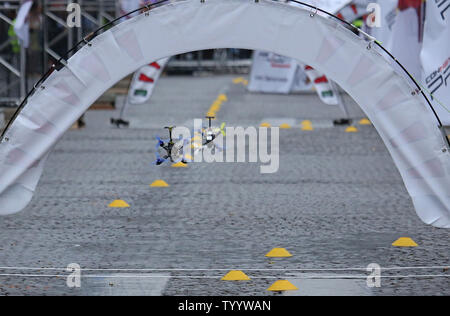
[[402, 119]]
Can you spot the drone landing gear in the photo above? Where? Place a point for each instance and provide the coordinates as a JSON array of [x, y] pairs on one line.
[[210, 137], [160, 161]]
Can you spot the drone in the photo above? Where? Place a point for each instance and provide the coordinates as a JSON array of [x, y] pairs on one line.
[[173, 151], [169, 150], [211, 133]]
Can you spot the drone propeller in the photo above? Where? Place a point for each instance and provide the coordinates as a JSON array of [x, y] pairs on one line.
[[222, 129], [159, 161], [160, 141]]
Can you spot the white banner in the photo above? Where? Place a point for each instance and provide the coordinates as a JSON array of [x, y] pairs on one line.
[[21, 24], [127, 6], [144, 81], [423, 48], [388, 13], [272, 73], [435, 56], [406, 41]]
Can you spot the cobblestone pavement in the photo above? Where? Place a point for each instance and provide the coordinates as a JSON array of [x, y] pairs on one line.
[[337, 202]]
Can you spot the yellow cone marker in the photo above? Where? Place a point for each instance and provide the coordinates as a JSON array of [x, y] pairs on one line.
[[159, 184], [222, 97], [188, 157], [404, 242], [238, 80], [285, 126], [282, 285], [179, 165], [351, 129], [278, 253], [364, 121], [265, 124], [307, 126], [119, 204], [235, 275]]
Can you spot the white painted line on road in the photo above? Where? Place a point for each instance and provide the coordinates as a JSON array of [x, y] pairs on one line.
[[277, 122], [125, 285], [297, 123], [229, 269], [147, 276], [308, 285]]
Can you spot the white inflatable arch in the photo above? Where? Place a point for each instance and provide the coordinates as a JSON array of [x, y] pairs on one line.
[[400, 115]]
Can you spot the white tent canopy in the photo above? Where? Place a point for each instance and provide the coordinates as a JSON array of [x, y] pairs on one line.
[[400, 115]]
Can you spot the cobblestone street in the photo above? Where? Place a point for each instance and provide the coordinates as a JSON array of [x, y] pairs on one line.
[[337, 203]]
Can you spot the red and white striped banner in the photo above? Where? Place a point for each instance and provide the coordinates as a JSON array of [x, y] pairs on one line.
[[144, 80]]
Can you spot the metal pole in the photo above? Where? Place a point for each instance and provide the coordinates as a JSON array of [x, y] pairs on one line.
[[101, 12], [23, 72], [44, 36], [118, 8], [80, 29], [69, 40]]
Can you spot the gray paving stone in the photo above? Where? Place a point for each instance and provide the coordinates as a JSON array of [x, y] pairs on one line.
[[336, 202]]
